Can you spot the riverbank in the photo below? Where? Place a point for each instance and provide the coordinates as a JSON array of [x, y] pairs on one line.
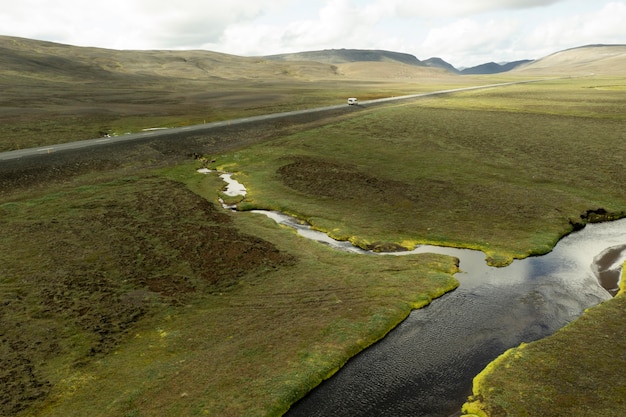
[[551, 378], [421, 368], [346, 391]]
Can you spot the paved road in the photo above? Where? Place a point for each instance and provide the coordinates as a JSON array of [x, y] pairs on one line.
[[208, 126]]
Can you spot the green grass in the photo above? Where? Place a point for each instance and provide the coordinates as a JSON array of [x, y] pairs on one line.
[[61, 112], [136, 296], [464, 170], [595, 97]]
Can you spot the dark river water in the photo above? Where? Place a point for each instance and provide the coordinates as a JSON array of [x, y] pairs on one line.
[[425, 366]]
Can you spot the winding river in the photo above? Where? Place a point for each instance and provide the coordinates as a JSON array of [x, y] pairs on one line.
[[425, 366]]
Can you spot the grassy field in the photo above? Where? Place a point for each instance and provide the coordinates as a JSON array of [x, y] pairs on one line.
[[140, 296], [551, 377], [55, 93], [64, 111], [507, 171]]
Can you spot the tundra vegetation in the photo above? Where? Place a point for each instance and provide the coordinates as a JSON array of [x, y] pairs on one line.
[[507, 171], [142, 296], [127, 290]]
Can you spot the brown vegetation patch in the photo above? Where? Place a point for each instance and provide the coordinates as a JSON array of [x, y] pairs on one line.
[[342, 181], [93, 262]]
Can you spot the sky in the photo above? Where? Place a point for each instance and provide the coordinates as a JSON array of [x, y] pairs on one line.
[[462, 32]]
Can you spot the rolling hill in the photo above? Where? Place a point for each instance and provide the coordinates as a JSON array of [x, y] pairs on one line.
[[494, 68], [600, 59], [39, 59], [584, 60], [364, 64], [47, 85], [26, 59], [341, 56]]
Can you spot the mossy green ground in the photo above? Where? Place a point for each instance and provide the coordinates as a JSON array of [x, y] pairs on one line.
[[505, 170], [188, 331], [137, 296]]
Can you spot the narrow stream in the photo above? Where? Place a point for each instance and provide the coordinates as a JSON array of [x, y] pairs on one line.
[[425, 366]]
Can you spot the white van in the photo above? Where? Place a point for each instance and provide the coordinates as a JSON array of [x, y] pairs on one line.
[[352, 101]]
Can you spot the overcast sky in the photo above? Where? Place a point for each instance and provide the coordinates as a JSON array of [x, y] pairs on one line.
[[462, 32]]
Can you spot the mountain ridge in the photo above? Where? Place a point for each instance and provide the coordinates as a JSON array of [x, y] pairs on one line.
[[341, 56], [494, 68], [22, 57], [607, 59]]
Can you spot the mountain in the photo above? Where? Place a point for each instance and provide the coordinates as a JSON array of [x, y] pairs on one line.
[[114, 90], [440, 63], [342, 56], [31, 60], [373, 64], [494, 68], [583, 60]]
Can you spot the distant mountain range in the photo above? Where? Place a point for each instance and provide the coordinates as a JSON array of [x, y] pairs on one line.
[[586, 55], [37, 60], [495, 68], [342, 56]]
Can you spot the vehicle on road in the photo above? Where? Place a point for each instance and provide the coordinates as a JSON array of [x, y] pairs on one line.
[[352, 101]]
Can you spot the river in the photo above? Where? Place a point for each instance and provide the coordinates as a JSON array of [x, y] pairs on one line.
[[425, 366]]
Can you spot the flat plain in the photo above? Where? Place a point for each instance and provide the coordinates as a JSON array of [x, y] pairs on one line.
[[127, 289]]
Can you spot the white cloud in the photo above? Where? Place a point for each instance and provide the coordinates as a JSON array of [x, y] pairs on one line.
[[470, 41], [603, 26], [127, 24], [462, 32], [338, 24], [457, 8], [188, 23], [530, 34]]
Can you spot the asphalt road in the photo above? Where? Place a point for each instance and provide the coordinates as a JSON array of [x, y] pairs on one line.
[[152, 134]]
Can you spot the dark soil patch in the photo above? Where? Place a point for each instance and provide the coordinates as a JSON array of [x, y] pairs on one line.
[[342, 181]]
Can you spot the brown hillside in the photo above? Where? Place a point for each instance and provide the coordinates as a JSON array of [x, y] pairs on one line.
[[342, 56], [26, 58], [390, 71], [31, 58], [586, 60], [53, 93]]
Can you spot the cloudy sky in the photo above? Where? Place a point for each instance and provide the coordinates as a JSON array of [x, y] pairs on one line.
[[462, 32]]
